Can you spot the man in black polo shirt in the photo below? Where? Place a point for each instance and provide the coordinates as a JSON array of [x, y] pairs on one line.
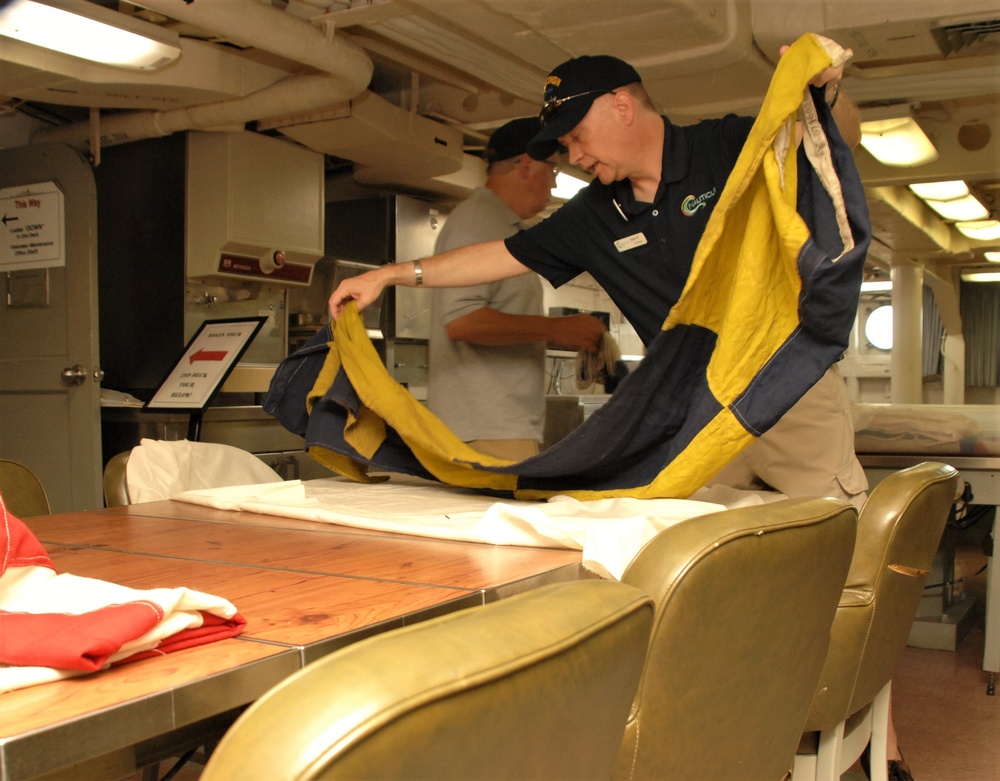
[[635, 229]]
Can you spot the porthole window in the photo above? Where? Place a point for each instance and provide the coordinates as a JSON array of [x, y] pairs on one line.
[[878, 327]]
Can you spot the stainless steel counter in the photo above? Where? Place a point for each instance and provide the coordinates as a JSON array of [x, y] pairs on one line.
[[246, 427]]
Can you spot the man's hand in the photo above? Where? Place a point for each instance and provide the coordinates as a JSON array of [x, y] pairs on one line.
[[577, 332], [364, 288], [830, 76], [845, 112]]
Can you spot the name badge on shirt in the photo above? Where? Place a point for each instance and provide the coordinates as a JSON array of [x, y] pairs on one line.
[[630, 242]]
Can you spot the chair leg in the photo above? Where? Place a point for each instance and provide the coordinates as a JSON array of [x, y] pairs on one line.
[[880, 734], [828, 754]]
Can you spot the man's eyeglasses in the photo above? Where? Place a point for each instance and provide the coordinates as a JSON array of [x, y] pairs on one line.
[[550, 109]]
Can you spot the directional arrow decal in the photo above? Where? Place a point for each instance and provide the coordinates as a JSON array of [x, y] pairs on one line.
[[208, 355]]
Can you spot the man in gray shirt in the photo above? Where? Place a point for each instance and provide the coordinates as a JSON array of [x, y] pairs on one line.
[[487, 344]]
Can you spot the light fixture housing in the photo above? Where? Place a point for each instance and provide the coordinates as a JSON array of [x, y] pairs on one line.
[[897, 141], [90, 32]]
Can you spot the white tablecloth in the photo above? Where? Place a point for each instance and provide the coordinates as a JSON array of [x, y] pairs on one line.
[[608, 531]]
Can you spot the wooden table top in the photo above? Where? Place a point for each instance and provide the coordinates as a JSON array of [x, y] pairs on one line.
[[305, 588]]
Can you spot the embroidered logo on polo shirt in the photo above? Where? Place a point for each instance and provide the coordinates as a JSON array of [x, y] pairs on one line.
[[690, 205]]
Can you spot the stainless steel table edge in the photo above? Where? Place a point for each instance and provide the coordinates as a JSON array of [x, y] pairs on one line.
[[122, 727]]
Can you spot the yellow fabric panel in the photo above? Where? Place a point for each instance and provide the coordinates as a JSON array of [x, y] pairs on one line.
[[751, 301], [434, 445], [681, 477]]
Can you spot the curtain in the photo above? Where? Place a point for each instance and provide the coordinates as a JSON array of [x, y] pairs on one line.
[[980, 308], [933, 336]]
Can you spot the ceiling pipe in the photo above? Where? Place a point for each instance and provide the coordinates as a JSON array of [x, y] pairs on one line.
[[265, 27], [346, 72]]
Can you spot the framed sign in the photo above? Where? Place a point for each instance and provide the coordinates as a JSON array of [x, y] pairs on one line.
[[205, 364]]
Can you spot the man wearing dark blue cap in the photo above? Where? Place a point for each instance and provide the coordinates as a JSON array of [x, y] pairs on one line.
[[635, 230], [486, 377]]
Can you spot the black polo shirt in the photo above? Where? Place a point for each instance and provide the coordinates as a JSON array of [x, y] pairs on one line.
[[642, 254]]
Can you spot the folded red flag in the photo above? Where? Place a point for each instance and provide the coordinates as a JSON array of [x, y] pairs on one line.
[[56, 625]]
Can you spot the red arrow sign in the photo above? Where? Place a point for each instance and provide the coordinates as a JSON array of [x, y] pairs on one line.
[[208, 355]]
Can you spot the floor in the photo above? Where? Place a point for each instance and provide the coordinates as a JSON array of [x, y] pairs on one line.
[[948, 727]]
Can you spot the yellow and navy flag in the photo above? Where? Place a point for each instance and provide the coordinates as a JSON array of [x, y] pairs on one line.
[[767, 309]]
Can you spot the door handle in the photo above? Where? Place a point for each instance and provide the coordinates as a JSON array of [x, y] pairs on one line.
[[75, 375]]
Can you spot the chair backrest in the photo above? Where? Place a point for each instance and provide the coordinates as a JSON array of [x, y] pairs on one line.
[[115, 482], [22, 491], [744, 602], [899, 531], [159, 469], [533, 686]]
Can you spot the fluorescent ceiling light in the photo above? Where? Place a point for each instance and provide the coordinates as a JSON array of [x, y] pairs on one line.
[[966, 208], [876, 286], [980, 230], [993, 256], [897, 142], [90, 32], [981, 276], [567, 186], [940, 191]]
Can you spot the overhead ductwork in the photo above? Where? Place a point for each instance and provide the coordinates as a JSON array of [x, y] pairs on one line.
[[345, 71], [388, 144]]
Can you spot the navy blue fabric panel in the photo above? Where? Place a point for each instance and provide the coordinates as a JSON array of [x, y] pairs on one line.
[[790, 372], [292, 381], [831, 287], [653, 416], [828, 303], [326, 430]]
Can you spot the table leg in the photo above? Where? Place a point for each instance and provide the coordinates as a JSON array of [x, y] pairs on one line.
[[991, 650]]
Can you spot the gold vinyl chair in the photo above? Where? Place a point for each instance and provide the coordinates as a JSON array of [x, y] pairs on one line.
[[115, 482], [744, 602], [21, 490], [534, 686], [899, 531]]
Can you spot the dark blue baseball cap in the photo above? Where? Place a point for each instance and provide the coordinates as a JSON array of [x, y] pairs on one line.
[[569, 92], [512, 139]]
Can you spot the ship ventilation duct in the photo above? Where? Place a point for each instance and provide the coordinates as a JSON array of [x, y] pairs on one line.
[[345, 71], [390, 145]]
